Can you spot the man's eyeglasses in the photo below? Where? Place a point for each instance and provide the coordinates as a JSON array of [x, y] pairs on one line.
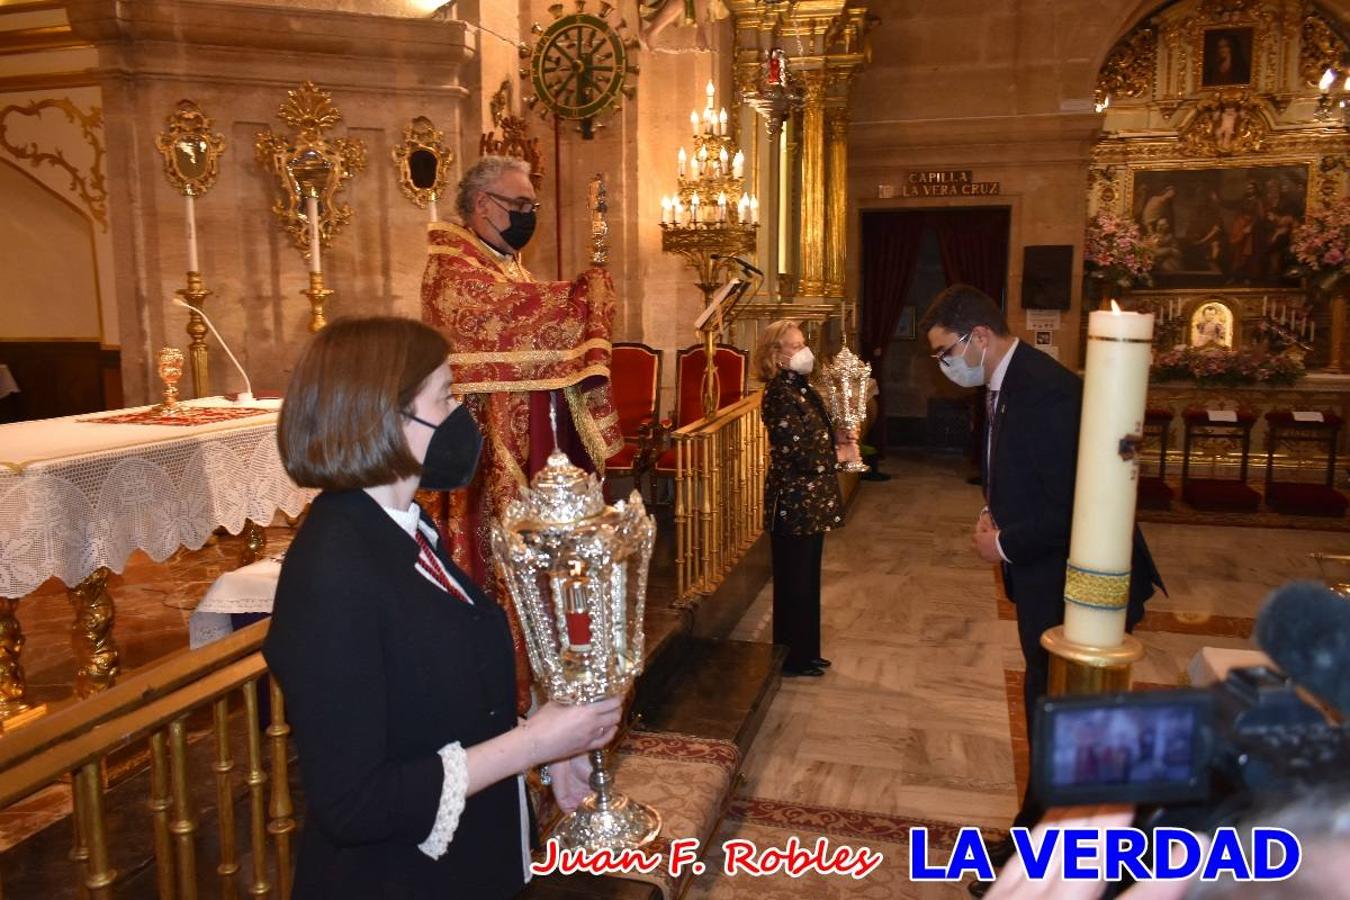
[[515, 204], [944, 356]]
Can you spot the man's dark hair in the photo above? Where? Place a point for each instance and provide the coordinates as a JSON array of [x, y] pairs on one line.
[[962, 308]]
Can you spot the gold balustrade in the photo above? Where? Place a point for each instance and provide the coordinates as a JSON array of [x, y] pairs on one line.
[[153, 708], [719, 495]]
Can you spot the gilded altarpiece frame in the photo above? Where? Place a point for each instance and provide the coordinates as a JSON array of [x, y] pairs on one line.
[[1162, 119]]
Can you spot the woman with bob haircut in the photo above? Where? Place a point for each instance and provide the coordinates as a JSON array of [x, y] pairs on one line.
[[397, 669], [802, 499]]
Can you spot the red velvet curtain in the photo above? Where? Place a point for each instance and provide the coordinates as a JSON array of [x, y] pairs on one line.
[[974, 248], [890, 251]]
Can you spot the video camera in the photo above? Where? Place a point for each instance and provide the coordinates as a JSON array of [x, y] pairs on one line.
[[1203, 756]]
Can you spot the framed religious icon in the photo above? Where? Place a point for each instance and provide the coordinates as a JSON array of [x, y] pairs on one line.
[[1221, 227], [1227, 58], [1211, 326], [904, 329]]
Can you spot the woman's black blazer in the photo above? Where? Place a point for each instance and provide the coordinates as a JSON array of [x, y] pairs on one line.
[[380, 669]]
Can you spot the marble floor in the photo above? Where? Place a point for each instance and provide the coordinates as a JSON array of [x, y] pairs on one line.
[[921, 714]]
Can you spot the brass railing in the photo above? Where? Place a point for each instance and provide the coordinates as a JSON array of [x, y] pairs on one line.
[[154, 707], [719, 494]]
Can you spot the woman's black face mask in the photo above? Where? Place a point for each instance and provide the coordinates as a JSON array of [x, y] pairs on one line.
[[452, 455]]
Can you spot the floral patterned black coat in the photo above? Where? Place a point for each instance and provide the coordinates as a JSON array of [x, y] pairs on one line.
[[801, 489]]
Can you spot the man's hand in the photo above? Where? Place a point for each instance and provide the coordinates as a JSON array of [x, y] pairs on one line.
[[985, 539]]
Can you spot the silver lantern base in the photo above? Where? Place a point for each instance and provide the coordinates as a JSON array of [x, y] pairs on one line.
[[607, 820]]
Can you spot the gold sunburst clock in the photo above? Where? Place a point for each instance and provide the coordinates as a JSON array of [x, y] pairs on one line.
[[580, 65]]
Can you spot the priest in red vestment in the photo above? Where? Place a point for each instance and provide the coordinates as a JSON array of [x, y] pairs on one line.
[[519, 348]]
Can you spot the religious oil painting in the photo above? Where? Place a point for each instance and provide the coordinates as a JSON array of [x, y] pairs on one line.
[[1228, 57], [1212, 326], [1222, 227]]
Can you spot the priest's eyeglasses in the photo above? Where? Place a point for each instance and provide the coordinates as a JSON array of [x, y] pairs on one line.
[[515, 204], [944, 356]]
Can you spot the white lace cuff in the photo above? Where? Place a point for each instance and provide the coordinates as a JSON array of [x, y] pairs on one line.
[[454, 787]]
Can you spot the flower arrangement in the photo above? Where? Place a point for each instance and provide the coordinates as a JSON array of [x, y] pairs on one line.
[[1115, 251], [1320, 243], [1224, 368]]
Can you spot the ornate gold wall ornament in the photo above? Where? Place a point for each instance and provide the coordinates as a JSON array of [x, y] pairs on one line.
[[515, 142], [500, 104], [191, 150], [310, 164], [90, 187], [424, 162], [1223, 125], [1129, 69], [1320, 48]]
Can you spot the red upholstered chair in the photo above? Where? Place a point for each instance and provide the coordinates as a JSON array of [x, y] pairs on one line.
[[733, 372], [635, 384], [1218, 494], [1304, 498]]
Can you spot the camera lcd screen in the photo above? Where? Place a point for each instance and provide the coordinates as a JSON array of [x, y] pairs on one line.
[[1130, 748]]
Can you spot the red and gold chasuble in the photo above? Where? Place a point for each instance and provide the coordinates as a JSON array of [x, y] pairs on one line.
[[513, 342]]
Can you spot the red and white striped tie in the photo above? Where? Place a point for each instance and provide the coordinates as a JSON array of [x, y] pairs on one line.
[[432, 565]]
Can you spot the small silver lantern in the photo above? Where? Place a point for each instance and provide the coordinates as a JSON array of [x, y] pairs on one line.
[[577, 571], [844, 386]]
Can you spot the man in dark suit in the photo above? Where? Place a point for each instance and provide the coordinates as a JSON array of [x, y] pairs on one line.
[[1031, 452]]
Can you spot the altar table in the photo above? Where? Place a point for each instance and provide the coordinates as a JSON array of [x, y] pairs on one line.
[[79, 497]]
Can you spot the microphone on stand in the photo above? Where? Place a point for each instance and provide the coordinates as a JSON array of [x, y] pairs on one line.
[[740, 262], [247, 395], [1305, 629]]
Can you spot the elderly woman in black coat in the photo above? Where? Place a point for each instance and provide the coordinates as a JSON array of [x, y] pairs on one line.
[[802, 500]]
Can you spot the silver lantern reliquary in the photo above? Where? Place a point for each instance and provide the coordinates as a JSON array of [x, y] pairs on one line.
[[844, 384], [577, 571]]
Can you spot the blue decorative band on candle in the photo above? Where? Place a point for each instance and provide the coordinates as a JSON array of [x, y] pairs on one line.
[[1120, 340], [1099, 590]]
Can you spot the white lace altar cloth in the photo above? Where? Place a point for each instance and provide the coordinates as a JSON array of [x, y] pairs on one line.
[[75, 496], [248, 589]]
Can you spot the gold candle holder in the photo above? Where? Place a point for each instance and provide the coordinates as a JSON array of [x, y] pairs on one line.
[[195, 295], [169, 365], [317, 295]]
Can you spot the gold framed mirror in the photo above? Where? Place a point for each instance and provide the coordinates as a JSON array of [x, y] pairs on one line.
[[191, 150], [424, 162], [309, 163]]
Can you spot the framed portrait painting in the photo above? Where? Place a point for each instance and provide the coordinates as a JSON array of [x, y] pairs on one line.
[[1221, 227], [1227, 57]]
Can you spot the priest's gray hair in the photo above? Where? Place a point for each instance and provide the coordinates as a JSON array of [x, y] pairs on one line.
[[481, 176]]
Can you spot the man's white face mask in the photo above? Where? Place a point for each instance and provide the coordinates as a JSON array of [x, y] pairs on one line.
[[960, 372]]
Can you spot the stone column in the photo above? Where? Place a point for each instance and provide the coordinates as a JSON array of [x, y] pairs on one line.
[[836, 194], [813, 212]]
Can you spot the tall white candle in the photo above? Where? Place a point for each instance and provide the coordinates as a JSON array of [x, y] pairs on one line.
[[681, 161], [711, 92], [433, 211], [312, 213], [193, 264], [738, 164], [665, 210], [1115, 388], [743, 209], [722, 122], [693, 121], [754, 210]]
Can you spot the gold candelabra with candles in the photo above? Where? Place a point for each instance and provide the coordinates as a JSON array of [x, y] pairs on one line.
[[711, 215]]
